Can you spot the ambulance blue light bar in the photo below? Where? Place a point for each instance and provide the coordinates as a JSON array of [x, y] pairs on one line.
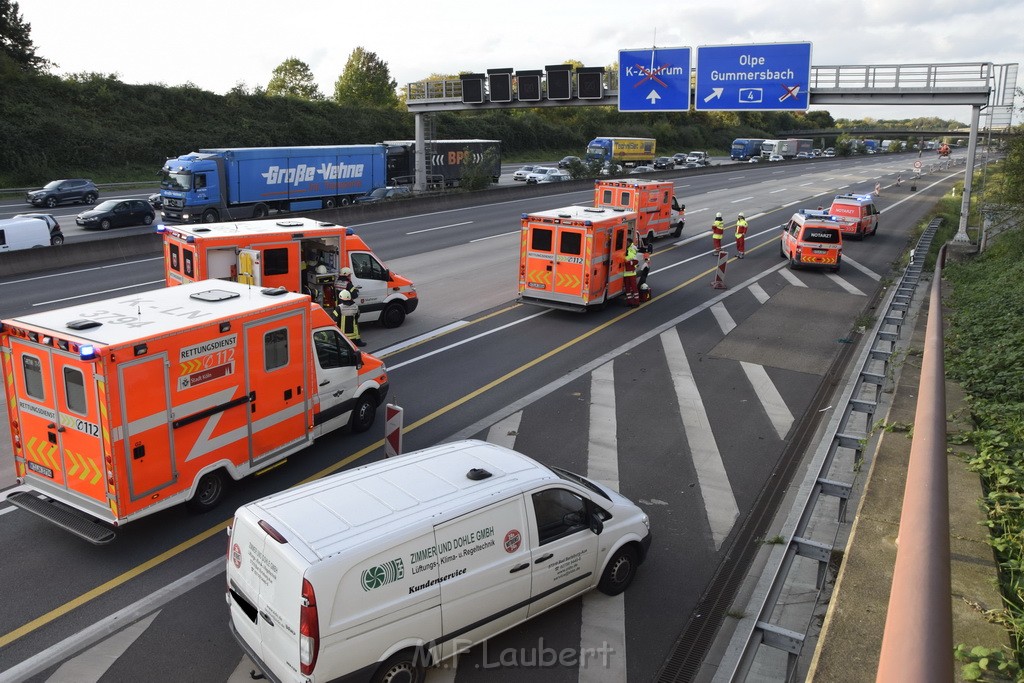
[[87, 352]]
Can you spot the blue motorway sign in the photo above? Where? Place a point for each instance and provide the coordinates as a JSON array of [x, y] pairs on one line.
[[655, 79], [771, 77]]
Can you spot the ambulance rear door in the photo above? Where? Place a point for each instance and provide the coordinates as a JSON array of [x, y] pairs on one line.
[[57, 406], [554, 258]]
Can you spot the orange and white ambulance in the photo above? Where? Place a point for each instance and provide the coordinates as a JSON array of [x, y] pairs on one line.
[[299, 254], [125, 407], [573, 258], [654, 202], [814, 239], [857, 214]]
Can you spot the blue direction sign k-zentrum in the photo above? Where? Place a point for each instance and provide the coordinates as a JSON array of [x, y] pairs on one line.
[[655, 79], [769, 77]]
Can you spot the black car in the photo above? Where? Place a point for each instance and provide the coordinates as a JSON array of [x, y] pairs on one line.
[[566, 161], [117, 213], [679, 158], [78, 190], [383, 194], [664, 162]]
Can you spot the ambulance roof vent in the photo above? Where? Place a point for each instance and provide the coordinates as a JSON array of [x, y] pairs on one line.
[[201, 228], [591, 209], [565, 215], [83, 324], [274, 291], [478, 474], [214, 295], [290, 224]]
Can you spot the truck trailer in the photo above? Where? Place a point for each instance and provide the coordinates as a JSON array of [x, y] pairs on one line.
[[249, 182], [629, 151], [125, 407], [787, 148], [299, 254], [445, 160]]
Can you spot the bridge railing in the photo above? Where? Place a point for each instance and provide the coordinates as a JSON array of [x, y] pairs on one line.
[[931, 77]]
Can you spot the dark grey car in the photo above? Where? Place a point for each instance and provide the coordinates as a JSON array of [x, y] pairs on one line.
[[115, 213], [77, 190]]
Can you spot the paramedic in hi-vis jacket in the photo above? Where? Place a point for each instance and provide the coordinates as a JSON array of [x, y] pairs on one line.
[[629, 274]]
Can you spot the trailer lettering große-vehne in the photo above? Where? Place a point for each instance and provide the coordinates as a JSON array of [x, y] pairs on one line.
[[125, 407], [212, 185], [299, 254]]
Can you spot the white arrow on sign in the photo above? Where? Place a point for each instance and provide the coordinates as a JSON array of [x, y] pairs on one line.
[[715, 93], [653, 97]]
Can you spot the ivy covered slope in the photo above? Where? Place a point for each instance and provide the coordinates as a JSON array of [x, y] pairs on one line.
[[985, 353]]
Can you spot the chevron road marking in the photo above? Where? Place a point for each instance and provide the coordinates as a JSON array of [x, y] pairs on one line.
[[723, 318], [788, 276], [92, 664], [771, 399], [844, 284]]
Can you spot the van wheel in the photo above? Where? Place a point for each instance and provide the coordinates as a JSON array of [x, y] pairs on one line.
[[839, 263], [620, 572], [56, 240], [402, 667], [364, 413], [782, 253], [393, 314], [209, 492], [792, 264], [874, 229], [650, 238], [210, 216]]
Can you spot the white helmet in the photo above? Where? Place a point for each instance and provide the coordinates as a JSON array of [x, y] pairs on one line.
[[346, 272], [645, 286], [321, 269], [718, 215], [345, 295], [740, 216]]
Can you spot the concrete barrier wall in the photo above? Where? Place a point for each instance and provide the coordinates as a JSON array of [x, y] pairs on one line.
[[128, 247]]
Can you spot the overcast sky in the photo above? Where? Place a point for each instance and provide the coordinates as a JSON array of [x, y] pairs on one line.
[[217, 44]]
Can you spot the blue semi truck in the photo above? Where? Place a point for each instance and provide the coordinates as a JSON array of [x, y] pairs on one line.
[[214, 185], [745, 148]]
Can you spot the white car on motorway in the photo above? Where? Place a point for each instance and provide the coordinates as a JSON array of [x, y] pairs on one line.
[[541, 172], [523, 172], [775, 157]]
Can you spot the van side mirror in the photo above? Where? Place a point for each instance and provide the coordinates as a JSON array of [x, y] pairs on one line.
[[596, 523], [359, 359]]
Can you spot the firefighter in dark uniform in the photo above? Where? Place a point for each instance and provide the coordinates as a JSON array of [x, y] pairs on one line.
[[350, 318]]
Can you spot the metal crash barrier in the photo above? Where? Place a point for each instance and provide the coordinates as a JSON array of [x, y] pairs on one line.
[[805, 536]]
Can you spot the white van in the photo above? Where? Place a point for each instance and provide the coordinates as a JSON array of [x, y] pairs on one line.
[[381, 571], [27, 232]]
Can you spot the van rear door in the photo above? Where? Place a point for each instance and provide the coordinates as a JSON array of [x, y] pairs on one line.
[[265, 594]]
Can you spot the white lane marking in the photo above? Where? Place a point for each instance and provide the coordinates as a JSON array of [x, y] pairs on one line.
[[440, 227], [759, 293], [66, 273], [844, 284], [842, 187], [113, 623], [791, 203], [723, 318], [395, 348], [719, 501], [792, 279], [744, 199], [491, 237], [771, 399], [467, 341], [602, 450], [806, 184], [103, 291], [862, 268], [504, 433], [92, 664], [698, 210], [777, 191], [603, 623]]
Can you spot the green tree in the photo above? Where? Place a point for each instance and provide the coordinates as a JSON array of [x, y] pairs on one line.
[[293, 78], [16, 40], [366, 80]]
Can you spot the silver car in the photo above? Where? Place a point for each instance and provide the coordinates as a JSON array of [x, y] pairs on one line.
[[539, 173], [523, 172]]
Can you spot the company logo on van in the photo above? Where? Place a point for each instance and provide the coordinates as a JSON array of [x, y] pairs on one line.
[[382, 574], [236, 555], [513, 540]]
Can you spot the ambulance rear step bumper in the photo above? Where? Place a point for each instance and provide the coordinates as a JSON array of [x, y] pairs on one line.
[[66, 518], [560, 305]]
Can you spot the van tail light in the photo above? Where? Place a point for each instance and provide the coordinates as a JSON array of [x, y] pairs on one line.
[[309, 630]]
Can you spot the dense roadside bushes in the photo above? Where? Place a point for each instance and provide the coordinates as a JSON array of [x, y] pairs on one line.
[[93, 125]]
